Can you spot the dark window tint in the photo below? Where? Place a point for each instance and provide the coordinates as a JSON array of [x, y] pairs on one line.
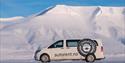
[[72, 43], [57, 44]]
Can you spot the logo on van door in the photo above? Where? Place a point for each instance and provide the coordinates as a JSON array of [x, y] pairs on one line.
[[66, 54]]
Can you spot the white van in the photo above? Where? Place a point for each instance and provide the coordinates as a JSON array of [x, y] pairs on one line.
[[73, 49]]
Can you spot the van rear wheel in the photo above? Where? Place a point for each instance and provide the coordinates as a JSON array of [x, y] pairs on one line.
[[90, 58]]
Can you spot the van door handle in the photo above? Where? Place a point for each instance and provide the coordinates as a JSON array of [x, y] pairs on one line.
[[62, 48]]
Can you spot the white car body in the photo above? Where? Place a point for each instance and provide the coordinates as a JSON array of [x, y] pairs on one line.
[[68, 53]]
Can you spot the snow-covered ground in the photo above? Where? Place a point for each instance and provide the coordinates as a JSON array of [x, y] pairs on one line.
[[20, 37], [108, 60]]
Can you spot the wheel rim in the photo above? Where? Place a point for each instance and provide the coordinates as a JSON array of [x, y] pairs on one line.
[[90, 58], [44, 58], [86, 47]]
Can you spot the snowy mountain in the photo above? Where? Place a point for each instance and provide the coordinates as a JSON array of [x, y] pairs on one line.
[[66, 22], [9, 21]]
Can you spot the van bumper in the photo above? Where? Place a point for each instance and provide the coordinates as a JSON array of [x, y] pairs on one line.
[[35, 57], [100, 58]]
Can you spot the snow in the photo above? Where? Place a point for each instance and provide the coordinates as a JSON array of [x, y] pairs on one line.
[[63, 22], [107, 60], [11, 19], [6, 22]]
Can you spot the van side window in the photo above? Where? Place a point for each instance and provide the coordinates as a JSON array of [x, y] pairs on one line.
[[72, 43], [58, 44]]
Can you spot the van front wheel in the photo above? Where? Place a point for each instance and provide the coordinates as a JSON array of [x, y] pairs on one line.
[[44, 58]]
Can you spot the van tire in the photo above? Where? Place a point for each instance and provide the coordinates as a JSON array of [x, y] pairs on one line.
[[90, 58], [44, 58], [86, 46]]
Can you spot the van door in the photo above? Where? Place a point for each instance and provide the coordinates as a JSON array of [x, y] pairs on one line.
[[56, 50], [71, 50]]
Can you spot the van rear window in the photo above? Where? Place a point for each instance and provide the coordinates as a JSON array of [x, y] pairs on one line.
[[72, 43]]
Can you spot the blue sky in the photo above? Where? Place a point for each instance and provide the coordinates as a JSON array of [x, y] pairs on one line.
[[11, 8]]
